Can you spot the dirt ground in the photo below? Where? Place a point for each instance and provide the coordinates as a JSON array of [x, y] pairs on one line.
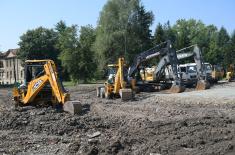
[[193, 122]]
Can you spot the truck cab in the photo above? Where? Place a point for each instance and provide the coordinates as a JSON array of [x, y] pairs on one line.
[[188, 73]]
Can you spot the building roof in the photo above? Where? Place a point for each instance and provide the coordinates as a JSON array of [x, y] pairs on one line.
[[9, 53]]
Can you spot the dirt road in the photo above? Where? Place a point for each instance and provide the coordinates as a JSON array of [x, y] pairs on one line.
[[193, 122]]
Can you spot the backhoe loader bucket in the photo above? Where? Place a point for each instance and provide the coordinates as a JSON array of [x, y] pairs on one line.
[[126, 94], [73, 107], [202, 85], [177, 88]]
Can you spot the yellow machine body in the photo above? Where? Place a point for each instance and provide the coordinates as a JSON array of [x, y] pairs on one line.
[[148, 74], [217, 73], [230, 73]]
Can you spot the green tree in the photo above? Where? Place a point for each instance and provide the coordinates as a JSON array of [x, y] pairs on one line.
[[60, 26], [223, 43], [169, 33], [87, 65], [70, 54], [159, 35], [123, 30], [232, 48], [77, 56], [211, 51], [38, 43], [188, 32]]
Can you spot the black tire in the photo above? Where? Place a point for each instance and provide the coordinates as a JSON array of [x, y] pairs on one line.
[[108, 96]]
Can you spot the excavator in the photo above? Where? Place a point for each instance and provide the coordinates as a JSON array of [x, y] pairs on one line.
[[200, 71], [43, 87], [167, 56], [202, 77], [117, 85]]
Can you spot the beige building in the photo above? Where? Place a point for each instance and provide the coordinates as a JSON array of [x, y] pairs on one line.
[[11, 68]]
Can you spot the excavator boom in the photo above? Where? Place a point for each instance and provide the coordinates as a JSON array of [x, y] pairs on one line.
[[202, 82], [168, 56]]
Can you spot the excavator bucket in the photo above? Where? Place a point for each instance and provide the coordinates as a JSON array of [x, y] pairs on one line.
[[73, 107], [126, 94], [177, 89], [202, 85]]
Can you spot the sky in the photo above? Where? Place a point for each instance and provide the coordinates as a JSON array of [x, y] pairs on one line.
[[18, 16]]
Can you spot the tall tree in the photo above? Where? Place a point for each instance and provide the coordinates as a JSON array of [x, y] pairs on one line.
[[123, 30], [70, 54], [38, 44], [232, 47], [159, 35], [87, 64], [77, 56], [211, 51], [223, 43], [169, 33], [188, 32], [60, 26]]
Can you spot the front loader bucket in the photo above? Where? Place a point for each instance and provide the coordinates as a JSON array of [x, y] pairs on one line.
[[177, 88], [202, 85], [126, 94], [73, 107]]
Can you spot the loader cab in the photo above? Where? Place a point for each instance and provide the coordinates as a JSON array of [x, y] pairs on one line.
[[111, 73], [33, 71], [208, 70]]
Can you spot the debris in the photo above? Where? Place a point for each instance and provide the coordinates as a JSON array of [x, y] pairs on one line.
[[93, 141], [96, 134]]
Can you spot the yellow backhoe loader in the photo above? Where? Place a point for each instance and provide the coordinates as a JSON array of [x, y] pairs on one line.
[[217, 73], [117, 84], [42, 86], [230, 72]]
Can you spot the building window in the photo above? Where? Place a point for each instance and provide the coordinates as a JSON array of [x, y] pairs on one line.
[[7, 63], [10, 74], [10, 62], [1, 64], [7, 75], [21, 73]]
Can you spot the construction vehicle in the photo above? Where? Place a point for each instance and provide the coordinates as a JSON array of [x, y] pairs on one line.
[[117, 84], [230, 73], [167, 56], [217, 73], [43, 87], [201, 69]]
